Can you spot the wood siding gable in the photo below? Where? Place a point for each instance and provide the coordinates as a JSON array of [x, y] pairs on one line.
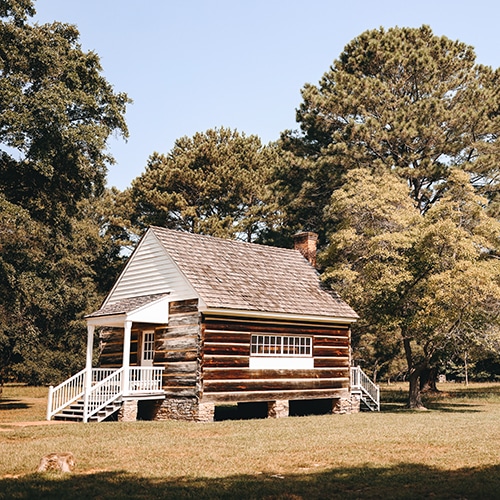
[[150, 270]]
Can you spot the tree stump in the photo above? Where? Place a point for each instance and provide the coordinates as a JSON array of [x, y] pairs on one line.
[[64, 462]]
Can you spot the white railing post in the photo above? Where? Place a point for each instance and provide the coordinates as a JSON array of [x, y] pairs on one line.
[[126, 356], [88, 370], [49, 402]]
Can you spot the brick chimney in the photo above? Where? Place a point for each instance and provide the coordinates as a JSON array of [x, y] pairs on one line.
[[305, 243]]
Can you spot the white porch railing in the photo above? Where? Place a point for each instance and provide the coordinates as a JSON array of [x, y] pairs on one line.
[[99, 374], [102, 394], [107, 385], [64, 394], [360, 382], [145, 379]]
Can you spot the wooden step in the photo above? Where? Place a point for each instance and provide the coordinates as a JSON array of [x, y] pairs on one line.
[[74, 412]]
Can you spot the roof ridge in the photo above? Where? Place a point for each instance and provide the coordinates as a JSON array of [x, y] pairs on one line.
[[223, 240]]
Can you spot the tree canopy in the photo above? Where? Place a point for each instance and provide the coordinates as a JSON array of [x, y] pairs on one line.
[[397, 141], [214, 183], [56, 114], [403, 100], [58, 245], [422, 284]]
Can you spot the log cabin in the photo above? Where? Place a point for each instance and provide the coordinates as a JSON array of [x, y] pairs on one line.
[[194, 322]]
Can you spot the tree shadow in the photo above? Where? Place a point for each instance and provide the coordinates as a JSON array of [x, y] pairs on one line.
[[432, 406], [445, 407], [401, 481], [13, 404]]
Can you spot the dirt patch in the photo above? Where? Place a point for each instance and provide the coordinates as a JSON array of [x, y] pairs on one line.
[[7, 426]]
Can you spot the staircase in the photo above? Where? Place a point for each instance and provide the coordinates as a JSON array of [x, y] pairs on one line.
[[92, 396], [365, 389], [74, 412]]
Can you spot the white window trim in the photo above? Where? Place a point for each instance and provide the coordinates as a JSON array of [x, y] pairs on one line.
[[286, 346]]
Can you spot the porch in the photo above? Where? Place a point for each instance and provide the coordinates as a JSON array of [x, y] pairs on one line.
[[93, 395]]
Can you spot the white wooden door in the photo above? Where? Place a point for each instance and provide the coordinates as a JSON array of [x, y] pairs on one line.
[[148, 348]]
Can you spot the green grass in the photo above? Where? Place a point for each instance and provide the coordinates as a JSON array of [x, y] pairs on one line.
[[449, 452], [20, 403]]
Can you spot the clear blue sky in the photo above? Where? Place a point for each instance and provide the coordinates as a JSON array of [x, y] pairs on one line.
[[191, 65]]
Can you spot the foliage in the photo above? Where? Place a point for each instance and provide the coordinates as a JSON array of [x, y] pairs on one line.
[[402, 100], [376, 165], [214, 183], [428, 282], [56, 114], [367, 260]]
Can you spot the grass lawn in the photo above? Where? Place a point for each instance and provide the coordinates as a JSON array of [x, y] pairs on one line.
[[451, 451]]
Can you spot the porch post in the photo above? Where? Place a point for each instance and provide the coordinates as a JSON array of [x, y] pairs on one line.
[[126, 356], [88, 370]]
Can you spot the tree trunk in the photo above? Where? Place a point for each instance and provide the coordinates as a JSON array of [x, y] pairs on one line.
[[428, 377], [414, 396], [466, 370]]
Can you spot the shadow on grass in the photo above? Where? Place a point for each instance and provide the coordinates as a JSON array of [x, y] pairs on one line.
[[13, 404], [453, 407], [432, 406], [403, 481]]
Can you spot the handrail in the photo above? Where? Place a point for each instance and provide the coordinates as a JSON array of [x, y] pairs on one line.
[[102, 394], [361, 381], [65, 393], [105, 387], [145, 379]]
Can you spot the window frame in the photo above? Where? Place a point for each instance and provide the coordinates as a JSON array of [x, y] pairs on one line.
[[281, 346]]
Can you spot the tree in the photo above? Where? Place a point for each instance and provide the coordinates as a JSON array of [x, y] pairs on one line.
[[57, 241], [213, 183], [367, 260], [403, 100], [56, 114], [430, 280]]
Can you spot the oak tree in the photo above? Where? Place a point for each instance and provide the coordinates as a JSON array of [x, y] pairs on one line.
[[422, 283], [56, 114]]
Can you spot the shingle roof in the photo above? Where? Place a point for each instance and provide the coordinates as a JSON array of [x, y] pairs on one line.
[[127, 305], [230, 274]]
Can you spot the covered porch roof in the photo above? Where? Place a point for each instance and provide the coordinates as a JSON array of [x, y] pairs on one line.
[[143, 309]]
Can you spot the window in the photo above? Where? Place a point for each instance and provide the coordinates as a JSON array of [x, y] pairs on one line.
[[278, 345]]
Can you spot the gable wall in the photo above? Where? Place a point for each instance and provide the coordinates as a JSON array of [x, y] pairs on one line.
[[226, 372], [150, 270]]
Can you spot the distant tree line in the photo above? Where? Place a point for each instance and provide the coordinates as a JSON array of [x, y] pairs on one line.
[[395, 164]]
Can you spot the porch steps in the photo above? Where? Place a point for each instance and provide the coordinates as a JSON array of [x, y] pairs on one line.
[[367, 404], [74, 412], [365, 389]]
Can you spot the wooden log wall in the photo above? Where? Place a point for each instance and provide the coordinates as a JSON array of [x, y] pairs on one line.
[[111, 347], [226, 362], [177, 349]]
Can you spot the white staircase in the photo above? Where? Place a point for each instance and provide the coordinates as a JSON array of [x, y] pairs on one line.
[[94, 396], [75, 412], [368, 392]]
